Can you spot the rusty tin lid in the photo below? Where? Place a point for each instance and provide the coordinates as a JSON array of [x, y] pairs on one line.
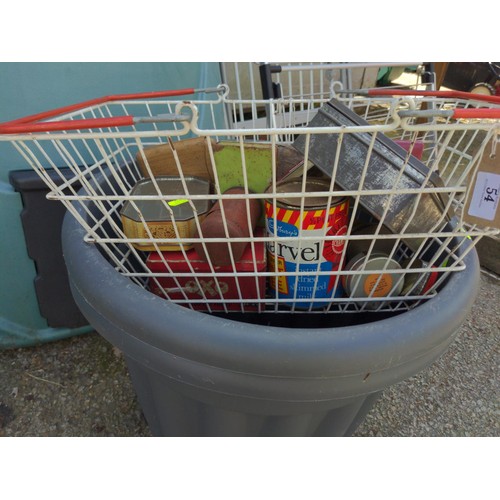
[[156, 209]]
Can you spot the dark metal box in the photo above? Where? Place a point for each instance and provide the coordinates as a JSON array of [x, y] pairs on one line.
[[388, 169]]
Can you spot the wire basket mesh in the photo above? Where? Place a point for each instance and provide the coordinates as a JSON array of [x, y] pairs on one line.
[[331, 205]]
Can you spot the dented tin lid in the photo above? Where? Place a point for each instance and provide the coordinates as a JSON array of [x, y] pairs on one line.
[[312, 185], [162, 210]]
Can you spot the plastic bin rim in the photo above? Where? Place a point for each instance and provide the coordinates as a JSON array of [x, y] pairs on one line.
[[237, 345]]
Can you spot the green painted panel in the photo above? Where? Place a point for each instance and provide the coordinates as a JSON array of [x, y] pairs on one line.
[[231, 171], [29, 88]]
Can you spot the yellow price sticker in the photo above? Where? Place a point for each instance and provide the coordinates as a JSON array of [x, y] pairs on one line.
[[175, 203]]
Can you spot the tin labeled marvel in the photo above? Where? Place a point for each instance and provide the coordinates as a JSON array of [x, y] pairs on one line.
[[303, 231]]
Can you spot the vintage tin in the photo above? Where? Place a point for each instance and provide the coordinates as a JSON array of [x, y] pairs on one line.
[[418, 283], [388, 168], [380, 283], [237, 212], [210, 288], [308, 256], [162, 217]]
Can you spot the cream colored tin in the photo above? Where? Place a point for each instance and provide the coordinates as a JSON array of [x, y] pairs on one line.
[[158, 218]]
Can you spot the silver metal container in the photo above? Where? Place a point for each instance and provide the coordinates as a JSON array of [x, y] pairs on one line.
[[163, 217], [386, 284], [388, 168]]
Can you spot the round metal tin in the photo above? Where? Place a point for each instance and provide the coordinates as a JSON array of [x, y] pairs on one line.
[[377, 284], [290, 252], [159, 221], [154, 210]]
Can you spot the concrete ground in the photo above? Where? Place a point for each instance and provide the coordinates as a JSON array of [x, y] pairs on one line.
[[458, 395]]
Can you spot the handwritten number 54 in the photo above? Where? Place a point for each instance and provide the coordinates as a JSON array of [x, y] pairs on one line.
[[489, 192]]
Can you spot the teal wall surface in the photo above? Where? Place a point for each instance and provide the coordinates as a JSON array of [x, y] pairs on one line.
[[29, 88]]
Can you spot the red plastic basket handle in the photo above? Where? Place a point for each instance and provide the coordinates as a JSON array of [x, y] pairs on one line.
[[470, 113], [467, 113], [487, 113], [33, 123], [453, 94], [33, 127]]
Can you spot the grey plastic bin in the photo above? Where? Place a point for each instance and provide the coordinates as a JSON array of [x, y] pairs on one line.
[[202, 375]]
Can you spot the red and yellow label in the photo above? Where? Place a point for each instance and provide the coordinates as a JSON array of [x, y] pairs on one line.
[[311, 219], [282, 280], [310, 242]]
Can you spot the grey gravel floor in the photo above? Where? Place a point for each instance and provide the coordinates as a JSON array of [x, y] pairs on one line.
[[459, 395], [80, 387]]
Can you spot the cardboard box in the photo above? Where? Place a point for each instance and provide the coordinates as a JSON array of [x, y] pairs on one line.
[[194, 159], [483, 195], [192, 154]]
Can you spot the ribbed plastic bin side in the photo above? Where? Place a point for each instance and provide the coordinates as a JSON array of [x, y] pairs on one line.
[[197, 374]]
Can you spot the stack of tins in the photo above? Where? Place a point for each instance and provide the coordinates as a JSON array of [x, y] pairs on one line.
[[304, 263], [228, 219]]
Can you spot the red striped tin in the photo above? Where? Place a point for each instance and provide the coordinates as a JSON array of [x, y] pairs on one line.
[[291, 252]]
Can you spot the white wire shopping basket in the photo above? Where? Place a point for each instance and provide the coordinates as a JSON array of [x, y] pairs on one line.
[[333, 205]]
